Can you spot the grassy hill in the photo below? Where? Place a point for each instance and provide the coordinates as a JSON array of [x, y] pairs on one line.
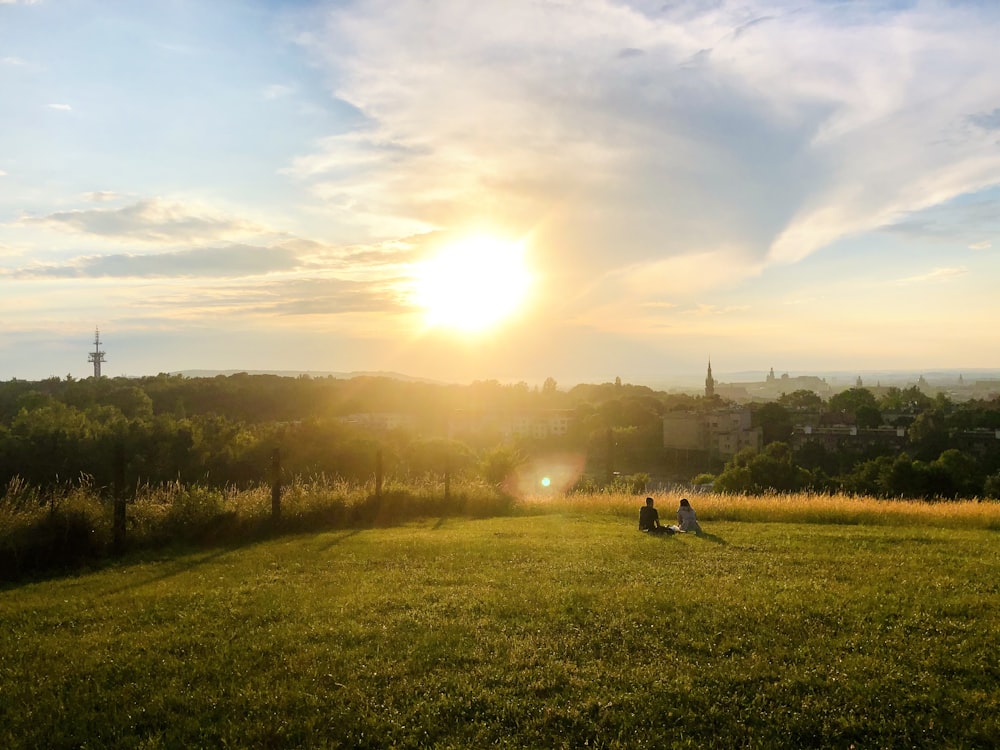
[[558, 629]]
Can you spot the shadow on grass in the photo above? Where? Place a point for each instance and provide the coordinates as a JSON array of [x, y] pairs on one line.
[[713, 538], [658, 535], [225, 533], [176, 568], [338, 539]]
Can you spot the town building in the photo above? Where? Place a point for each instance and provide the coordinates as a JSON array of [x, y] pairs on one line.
[[508, 424], [837, 437], [720, 433], [382, 421]]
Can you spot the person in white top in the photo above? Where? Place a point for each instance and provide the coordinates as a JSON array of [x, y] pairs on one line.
[[686, 518]]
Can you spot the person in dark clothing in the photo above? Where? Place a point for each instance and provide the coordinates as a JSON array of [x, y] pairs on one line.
[[649, 519]]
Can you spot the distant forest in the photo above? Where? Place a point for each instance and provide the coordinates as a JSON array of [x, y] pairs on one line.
[[223, 430]]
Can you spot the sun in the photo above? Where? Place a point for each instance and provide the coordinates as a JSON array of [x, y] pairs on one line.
[[473, 284]]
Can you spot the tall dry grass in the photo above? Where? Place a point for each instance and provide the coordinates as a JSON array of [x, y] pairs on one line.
[[775, 507], [70, 526]]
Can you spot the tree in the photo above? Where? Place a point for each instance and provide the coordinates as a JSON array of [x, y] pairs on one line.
[[962, 471], [771, 469], [499, 463], [801, 400], [909, 400], [132, 401], [900, 479], [775, 422], [814, 456], [868, 477], [438, 456], [928, 435], [868, 416], [991, 487], [851, 400]]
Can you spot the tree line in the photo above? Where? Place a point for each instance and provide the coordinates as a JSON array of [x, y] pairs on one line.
[[950, 449], [223, 430]]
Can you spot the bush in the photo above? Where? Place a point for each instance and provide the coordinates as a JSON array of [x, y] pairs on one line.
[[991, 487], [67, 528], [71, 528]]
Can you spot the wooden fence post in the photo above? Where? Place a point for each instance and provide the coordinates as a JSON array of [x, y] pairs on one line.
[[378, 473], [118, 500], [611, 456], [276, 486]]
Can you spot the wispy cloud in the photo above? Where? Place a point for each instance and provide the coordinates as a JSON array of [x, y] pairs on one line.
[[984, 245], [331, 297], [703, 310], [961, 222], [235, 261], [936, 275], [177, 49], [598, 131], [268, 301], [100, 196], [796, 301], [278, 91], [152, 220], [986, 120], [17, 61], [61, 107]]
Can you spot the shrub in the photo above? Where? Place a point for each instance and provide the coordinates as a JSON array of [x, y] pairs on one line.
[[71, 527]]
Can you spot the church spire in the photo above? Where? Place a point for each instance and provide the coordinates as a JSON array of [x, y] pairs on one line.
[[709, 381]]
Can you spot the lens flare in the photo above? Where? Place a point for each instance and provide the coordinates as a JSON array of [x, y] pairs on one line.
[[547, 476]]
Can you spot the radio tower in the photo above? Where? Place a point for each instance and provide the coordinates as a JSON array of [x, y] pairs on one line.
[[96, 356]]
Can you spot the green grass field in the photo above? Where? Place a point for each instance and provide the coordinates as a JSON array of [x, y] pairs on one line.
[[557, 629]]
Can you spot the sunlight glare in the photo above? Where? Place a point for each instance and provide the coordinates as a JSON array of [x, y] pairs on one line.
[[473, 284]]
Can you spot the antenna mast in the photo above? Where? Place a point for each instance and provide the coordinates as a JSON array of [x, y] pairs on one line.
[[96, 356]]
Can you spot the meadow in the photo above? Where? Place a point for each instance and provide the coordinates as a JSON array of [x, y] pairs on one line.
[[800, 621]]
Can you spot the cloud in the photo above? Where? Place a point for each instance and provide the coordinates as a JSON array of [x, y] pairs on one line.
[[800, 301], [986, 120], [628, 52], [964, 221], [544, 118], [936, 275], [100, 196], [234, 261], [331, 297], [278, 91], [152, 220], [61, 107], [265, 299], [704, 310], [749, 25], [13, 61], [983, 245]]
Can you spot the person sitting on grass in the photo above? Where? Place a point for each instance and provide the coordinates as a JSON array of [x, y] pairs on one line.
[[686, 518], [649, 519]]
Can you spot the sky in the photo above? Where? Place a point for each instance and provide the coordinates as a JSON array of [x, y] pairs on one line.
[[640, 185]]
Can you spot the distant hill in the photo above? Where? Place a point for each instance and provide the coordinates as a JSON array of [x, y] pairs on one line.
[[684, 381], [310, 373]]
